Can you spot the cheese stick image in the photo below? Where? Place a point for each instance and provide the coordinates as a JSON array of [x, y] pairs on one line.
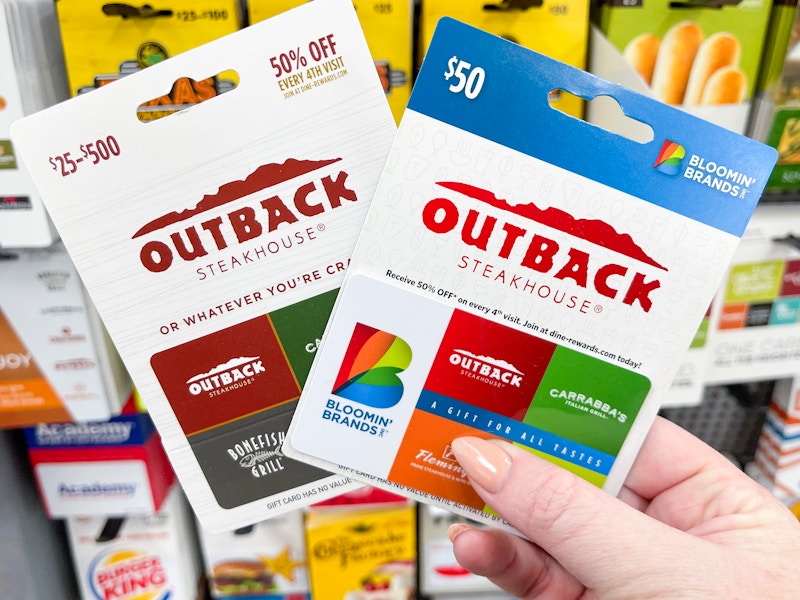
[[674, 63], [727, 85], [717, 51], [641, 53]]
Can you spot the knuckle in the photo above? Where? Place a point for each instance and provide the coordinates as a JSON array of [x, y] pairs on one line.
[[548, 504]]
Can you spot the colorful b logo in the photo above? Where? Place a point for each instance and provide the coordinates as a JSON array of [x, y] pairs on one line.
[[670, 157], [370, 367]]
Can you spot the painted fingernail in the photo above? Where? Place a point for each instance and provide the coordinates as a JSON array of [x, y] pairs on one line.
[[485, 463], [456, 529]]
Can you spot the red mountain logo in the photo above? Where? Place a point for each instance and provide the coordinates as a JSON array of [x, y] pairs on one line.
[[263, 177], [558, 259], [592, 230], [310, 197]]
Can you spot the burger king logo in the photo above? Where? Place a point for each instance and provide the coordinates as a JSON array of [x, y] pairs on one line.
[[128, 574]]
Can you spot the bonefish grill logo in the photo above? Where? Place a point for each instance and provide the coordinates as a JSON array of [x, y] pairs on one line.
[[213, 226], [234, 374], [541, 254]]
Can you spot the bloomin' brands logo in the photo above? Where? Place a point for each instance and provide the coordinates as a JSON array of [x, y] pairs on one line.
[[490, 370], [234, 374], [309, 188], [707, 172], [128, 574], [718, 176], [628, 279], [670, 157], [369, 370]]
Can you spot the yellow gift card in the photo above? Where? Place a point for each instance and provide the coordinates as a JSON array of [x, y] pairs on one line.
[[388, 28], [362, 552], [556, 28], [105, 41]]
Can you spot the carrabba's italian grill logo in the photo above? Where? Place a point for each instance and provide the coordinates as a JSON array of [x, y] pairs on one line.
[[271, 197], [567, 259]]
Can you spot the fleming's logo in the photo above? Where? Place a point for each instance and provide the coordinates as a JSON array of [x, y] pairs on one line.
[[543, 254], [670, 157], [168, 240], [369, 370]]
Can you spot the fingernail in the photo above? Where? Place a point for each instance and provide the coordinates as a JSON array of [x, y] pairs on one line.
[[485, 463], [456, 529]]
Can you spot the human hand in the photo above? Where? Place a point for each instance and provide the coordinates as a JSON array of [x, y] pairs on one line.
[[687, 524]]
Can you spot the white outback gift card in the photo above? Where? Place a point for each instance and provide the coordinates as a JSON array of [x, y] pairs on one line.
[[214, 240]]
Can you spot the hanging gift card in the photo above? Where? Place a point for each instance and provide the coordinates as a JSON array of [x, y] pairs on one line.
[[31, 78], [523, 275], [214, 240]]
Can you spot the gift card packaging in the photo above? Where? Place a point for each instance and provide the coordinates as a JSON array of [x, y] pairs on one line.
[[754, 331], [362, 496], [31, 78], [688, 385], [522, 274], [776, 111], [776, 458], [214, 240], [362, 553], [701, 56], [113, 467], [388, 27], [266, 560], [105, 41], [559, 30], [151, 556], [56, 361], [33, 560], [440, 574]]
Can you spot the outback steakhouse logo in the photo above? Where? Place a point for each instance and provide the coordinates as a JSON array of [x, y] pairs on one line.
[[495, 372], [545, 255], [311, 197], [233, 374]]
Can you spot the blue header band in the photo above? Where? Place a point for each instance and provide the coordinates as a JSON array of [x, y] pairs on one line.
[[512, 109]]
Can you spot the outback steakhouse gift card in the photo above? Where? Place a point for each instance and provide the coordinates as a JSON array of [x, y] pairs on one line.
[[214, 240], [522, 275]]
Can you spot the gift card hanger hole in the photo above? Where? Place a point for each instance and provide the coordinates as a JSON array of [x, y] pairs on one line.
[[185, 93], [129, 11], [510, 5], [613, 119]]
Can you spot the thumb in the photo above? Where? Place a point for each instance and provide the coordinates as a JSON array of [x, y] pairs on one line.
[[593, 535]]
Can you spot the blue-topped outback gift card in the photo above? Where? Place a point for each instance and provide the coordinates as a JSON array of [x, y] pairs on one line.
[[521, 274]]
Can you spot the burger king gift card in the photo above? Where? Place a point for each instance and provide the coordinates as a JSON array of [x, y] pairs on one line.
[[522, 275], [214, 240]]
